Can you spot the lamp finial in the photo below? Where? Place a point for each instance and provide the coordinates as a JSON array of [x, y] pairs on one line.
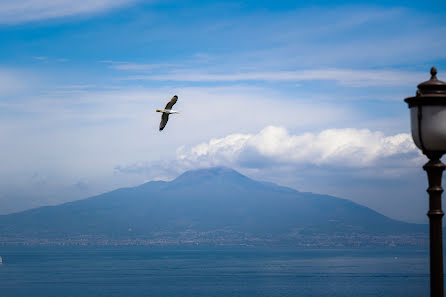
[[433, 72]]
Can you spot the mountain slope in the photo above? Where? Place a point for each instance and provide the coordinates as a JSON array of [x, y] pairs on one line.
[[211, 203]]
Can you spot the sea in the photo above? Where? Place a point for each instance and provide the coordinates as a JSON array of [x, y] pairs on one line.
[[130, 271]]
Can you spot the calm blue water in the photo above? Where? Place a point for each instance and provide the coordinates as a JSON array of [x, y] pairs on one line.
[[225, 272]]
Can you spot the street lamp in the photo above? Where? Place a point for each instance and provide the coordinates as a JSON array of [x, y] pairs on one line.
[[428, 125]]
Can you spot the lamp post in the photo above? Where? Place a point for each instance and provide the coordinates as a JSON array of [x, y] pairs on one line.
[[428, 126]]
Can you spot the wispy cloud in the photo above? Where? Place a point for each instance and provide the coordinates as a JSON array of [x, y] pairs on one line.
[[347, 77], [13, 80], [76, 87], [13, 12], [40, 58], [134, 66]]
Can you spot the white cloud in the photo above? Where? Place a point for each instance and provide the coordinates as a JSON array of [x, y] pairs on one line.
[[332, 147], [348, 77], [12, 11]]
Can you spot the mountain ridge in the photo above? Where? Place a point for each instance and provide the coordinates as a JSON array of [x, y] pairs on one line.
[[213, 205]]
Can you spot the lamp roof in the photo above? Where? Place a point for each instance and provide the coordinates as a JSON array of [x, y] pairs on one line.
[[430, 92]]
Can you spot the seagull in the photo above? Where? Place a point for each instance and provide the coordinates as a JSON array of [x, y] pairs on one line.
[[166, 111]]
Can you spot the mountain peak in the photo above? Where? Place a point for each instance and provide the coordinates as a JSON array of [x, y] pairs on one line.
[[212, 173]]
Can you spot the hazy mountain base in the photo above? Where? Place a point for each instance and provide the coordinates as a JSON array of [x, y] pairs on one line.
[[226, 238], [216, 206]]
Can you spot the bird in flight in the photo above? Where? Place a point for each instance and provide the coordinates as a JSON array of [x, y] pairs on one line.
[[166, 111]]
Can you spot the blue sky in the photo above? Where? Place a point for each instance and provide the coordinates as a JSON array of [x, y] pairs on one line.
[[304, 94]]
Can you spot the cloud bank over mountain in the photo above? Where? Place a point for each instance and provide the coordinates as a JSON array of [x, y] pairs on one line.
[[349, 152], [275, 145]]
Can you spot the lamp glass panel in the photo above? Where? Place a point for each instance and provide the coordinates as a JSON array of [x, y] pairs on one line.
[[433, 127], [414, 126]]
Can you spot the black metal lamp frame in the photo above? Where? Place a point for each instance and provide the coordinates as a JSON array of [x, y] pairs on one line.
[[432, 92]]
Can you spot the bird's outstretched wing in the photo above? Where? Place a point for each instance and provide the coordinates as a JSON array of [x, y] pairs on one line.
[[164, 119], [171, 102]]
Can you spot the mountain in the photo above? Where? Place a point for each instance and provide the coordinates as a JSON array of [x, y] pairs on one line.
[[213, 206]]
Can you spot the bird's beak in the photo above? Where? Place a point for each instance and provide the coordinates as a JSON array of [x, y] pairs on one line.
[[159, 110]]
